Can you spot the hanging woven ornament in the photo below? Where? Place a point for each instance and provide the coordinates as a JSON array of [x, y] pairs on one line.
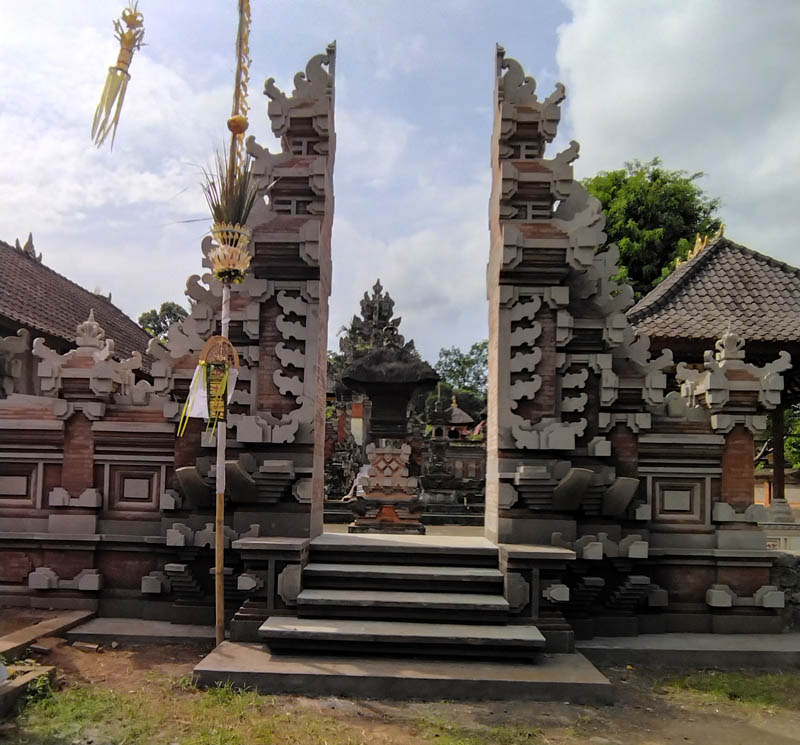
[[106, 117], [212, 386]]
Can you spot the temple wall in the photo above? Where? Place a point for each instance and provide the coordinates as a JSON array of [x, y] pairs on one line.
[[586, 449], [101, 505]]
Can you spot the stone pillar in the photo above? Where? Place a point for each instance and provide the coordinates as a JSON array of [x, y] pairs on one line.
[[77, 473], [560, 343], [738, 478], [279, 325], [778, 488]]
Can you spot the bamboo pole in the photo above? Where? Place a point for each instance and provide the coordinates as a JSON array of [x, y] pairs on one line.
[[219, 519]]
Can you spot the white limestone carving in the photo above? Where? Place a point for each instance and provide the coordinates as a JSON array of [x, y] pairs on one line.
[[711, 387]]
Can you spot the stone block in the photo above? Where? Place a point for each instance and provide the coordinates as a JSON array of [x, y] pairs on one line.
[[507, 495], [58, 497], [676, 500], [619, 495], [756, 513], [88, 498], [155, 583], [301, 490], [72, 524], [588, 547], [720, 596], [643, 512], [556, 593], [169, 500], [744, 540], [180, 535], [88, 580], [247, 582], [633, 547], [43, 578], [569, 491], [657, 597], [290, 584], [769, 596], [206, 537], [151, 585]]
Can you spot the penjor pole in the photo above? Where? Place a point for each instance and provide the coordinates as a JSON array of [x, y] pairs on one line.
[[230, 192]]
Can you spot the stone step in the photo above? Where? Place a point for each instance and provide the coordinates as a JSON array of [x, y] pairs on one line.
[[289, 635], [398, 605], [398, 577], [374, 548], [557, 677]]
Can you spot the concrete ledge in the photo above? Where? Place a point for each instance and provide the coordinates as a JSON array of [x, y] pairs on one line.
[[139, 630], [724, 651], [558, 677], [439, 544]]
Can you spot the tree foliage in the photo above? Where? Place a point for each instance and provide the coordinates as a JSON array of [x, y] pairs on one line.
[[465, 371], [653, 215], [157, 322], [441, 397]]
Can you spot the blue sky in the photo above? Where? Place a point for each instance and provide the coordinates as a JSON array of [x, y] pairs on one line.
[[708, 85]]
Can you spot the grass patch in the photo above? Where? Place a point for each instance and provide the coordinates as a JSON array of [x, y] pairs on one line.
[[779, 689], [445, 732], [171, 711]]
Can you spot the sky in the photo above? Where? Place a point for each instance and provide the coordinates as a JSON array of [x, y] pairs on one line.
[[707, 85]]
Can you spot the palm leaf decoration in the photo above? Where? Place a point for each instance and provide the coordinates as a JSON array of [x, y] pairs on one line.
[[230, 193]]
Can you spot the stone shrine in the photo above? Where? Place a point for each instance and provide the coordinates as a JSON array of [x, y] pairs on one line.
[[389, 376]]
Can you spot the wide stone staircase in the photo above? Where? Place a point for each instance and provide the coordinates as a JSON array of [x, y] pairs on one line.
[[402, 595]]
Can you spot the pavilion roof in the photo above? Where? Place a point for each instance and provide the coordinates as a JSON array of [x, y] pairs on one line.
[[724, 284], [41, 299]]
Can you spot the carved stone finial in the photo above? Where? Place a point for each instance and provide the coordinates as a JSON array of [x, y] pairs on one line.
[[729, 347], [90, 333], [28, 248]]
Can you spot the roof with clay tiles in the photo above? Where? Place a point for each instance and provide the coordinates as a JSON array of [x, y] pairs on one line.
[[41, 299], [725, 285]]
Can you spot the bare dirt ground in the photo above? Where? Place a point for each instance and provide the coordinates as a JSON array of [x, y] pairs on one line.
[[646, 713]]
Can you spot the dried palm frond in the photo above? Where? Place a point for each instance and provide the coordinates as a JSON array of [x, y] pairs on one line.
[[230, 192]]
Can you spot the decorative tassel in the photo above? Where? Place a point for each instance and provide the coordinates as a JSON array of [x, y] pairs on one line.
[[106, 117]]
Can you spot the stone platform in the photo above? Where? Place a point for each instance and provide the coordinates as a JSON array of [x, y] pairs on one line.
[[139, 631], [725, 651], [558, 677]]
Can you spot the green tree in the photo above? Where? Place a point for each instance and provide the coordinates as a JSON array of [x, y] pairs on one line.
[[653, 215], [157, 322], [465, 371]]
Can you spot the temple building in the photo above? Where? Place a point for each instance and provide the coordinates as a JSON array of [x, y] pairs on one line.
[[726, 286], [619, 442]]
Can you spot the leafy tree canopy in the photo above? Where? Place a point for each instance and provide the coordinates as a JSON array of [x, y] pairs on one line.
[[653, 215], [466, 371], [157, 322]]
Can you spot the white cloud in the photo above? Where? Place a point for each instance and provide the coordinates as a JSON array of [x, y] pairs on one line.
[[435, 271], [372, 144], [710, 86]]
